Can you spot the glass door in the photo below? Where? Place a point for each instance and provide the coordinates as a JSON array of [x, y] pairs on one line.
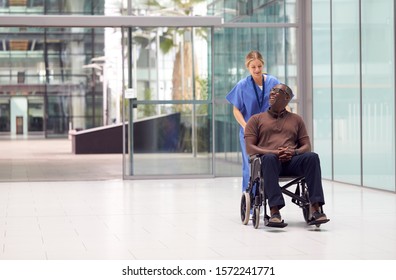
[[168, 104]]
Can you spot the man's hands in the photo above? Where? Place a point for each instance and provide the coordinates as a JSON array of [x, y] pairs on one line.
[[285, 153]]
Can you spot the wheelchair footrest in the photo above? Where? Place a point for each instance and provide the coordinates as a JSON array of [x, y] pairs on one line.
[[313, 222]]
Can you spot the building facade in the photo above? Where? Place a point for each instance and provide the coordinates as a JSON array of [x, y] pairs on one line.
[[45, 89]]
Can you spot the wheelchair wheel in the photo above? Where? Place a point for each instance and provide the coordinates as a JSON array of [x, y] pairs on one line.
[[256, 217], [245, 208]]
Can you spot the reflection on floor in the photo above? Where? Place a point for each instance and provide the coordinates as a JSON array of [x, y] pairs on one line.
[[184, 219], [53, 160]]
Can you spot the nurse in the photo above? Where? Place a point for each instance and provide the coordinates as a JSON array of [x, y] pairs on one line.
[[250, 96]]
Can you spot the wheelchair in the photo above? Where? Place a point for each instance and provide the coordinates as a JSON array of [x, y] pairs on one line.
[[254, 197]]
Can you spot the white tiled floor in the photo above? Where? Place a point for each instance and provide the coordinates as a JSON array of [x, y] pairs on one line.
[[184, 219]]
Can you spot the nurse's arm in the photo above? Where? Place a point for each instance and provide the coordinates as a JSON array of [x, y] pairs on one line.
[[239, 117]]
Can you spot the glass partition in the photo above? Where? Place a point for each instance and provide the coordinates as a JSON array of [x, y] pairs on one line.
[[52, 69], [346, 91], [378, 98], [278, 46], [354, 86], [255, 11], [168, 104], [322, 92]]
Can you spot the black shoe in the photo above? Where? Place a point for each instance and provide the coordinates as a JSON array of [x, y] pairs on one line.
[[317, 216], [275, 218], [275, 221]]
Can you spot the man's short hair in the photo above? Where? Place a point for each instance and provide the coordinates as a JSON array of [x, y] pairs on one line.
[[289, 91]]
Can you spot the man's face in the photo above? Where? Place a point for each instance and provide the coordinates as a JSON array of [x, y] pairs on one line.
[[278, 98]]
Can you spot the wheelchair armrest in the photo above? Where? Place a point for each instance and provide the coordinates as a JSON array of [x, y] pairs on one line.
[[253, 157], [255, 166]]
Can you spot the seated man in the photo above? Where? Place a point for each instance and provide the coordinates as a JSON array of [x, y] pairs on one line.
[[282, 139]]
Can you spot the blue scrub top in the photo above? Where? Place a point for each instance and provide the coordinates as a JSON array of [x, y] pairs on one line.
[[244, 98]]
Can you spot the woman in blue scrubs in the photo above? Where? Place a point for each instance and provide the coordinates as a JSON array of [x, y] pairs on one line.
[[250, 96]]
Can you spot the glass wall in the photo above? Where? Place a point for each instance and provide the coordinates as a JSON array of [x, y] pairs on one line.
[[378, 94], [52, 69], [171, 106], [354, 90], [49, 68], [54, 7], [279, 48], [322, 91], [73, 71], [346, 91], [56, 79]]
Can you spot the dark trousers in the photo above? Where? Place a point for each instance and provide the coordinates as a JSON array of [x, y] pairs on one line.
[[306, 164]]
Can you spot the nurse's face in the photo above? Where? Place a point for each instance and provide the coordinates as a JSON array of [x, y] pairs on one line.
[[256, 69]]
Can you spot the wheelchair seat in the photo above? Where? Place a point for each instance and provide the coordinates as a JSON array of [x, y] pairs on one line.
[[254, 197]]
